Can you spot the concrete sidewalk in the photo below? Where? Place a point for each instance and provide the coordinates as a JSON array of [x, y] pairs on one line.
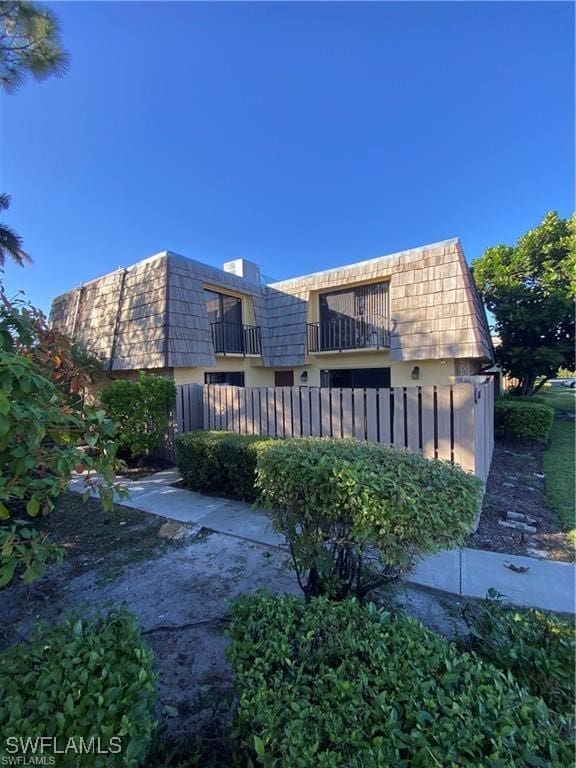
[[464, 572]]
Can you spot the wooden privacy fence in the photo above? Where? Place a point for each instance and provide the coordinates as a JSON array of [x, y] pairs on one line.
[[452, 421]]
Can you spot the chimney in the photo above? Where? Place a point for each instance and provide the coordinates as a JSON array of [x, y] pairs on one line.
[[244, 268]]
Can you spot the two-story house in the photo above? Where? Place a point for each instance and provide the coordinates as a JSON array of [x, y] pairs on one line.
[[411, 317]]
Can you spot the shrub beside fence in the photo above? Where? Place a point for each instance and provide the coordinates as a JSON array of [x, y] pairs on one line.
[[452, 422]]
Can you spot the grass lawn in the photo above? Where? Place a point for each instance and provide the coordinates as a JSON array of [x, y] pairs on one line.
[[559, 459], [560, 398]]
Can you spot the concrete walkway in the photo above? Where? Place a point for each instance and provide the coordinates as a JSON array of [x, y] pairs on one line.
[[465, 572]]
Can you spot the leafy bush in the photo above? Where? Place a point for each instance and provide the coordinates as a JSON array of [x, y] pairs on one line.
[[332, 684], [537, 647], [357, 514], [140, 408], [82, 679], [522, 420], [25, 549], [44, 428], [219, 462], [511, 397]]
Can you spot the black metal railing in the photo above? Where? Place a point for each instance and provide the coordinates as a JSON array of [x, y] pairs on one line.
[[366, 332], [238, 339]]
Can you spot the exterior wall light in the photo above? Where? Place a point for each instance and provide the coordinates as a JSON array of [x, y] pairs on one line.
[[304, 376], [415, 373]]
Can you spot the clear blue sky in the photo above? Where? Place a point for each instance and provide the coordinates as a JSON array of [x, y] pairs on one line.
[[298, 135]]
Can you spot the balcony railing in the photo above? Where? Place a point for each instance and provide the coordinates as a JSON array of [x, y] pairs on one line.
[[366, 332], [232, 338]]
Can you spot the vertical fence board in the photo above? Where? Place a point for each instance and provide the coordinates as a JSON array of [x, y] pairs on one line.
[[218, 407], [258, 411], [325, 395], [480, 421], [206, 407], [371, 422], [398, 429], [241, 411], [305, 411], [428, 439], [384, 416], [296, 424], [279, 410], [231, 399], [359, 414], [286, 392], [263, 411], [271, 408], [412, 419], [443, 418], [236, 402], [464, 417], [347, 414], [336, 397], [315, 412], [250, 411]]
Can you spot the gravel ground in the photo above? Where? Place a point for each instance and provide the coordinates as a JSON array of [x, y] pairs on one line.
[[517, 484]]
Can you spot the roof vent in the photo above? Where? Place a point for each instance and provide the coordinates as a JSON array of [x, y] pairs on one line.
[[243, 268]]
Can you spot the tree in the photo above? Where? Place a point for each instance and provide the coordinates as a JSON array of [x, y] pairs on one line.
[[29, 44], [10, 242], [46, 431], [530, 289]]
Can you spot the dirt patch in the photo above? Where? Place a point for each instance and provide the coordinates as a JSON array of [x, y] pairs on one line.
[[98, 544], [517, 484]]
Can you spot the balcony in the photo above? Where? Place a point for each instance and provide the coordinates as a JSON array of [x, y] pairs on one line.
[[235, 339], [346, 333]]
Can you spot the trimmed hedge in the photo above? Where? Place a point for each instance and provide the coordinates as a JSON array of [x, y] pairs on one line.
[[219, 462], [522, 421], [537, 647], [357, 514], [81, 679], [330, 684]]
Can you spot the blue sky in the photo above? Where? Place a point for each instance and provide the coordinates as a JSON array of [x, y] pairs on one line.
[[298, 135]]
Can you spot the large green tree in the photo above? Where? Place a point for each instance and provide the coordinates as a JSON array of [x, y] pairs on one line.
[[29, 44], [529, 288]]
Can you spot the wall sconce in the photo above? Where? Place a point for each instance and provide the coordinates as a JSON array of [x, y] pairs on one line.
[[304, 376], [415, 373], [443, 361]]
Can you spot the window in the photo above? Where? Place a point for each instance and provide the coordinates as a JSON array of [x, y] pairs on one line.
[[225, 318], [353, 318], [357, 378], [222, 308], [283, 378], [362, 301], [232, 378]]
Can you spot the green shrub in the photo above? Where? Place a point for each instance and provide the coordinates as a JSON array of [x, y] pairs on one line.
[[357, 514], [537, 647], [510, 397], [141, 410], [337, 684], [219, 462], [44, 427], [522, 420], [81, 679]]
